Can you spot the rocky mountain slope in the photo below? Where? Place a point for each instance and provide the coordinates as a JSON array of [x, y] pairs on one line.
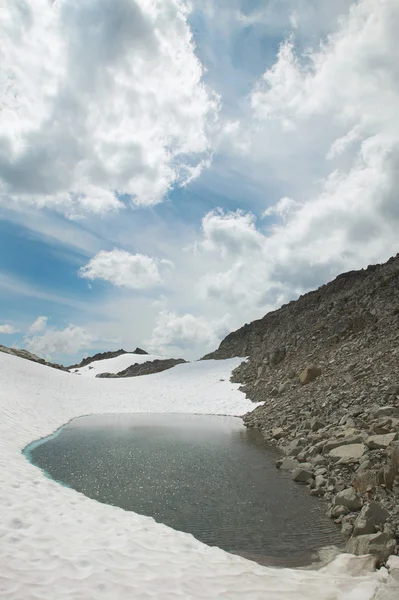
[[326, 368], [30, 356], [104, 355], [145, 368]]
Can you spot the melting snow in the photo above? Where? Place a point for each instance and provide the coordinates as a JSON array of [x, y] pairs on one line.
[[56, 543]]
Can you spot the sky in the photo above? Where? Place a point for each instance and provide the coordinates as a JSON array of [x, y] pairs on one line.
[[173, 169]]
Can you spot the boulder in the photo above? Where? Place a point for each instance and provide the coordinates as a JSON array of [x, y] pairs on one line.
[[309, 374], [288, 464], [380, 442], [393, 390], [344, 441], [379, 544], [367, 480], [316, 424], [387, 411], [295, 447], [283, 387], [276, 356], [349, 499], [277, 433], [351, 451], [320, 481], [301, 475], [371, 516]]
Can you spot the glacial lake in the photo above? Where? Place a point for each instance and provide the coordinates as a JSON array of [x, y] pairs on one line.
[[205, 475]]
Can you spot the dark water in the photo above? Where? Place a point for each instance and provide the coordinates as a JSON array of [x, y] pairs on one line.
[[204, 475]]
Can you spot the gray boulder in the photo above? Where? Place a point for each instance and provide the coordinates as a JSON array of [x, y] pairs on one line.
[[380, 442], [347, 452], [379, 544], [289, 464], [349, 499], [371, 516], [301, 475]]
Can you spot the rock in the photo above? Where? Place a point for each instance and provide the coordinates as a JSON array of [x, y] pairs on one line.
[[351, 451], [347, 529], [295, 447], [338, 511], [366, 481], [393, 390], [276, 356], [376, 442], [345, 441], [379, 544], [387, 411], [349, 499], [320, 481], [289, 464], [309, 374], [277, 433], [284, 387], [139, 351], [370, 517], [301, 475], [316, 424]]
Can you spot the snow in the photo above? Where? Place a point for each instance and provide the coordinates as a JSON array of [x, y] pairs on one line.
[[116, 364], [56, 543]]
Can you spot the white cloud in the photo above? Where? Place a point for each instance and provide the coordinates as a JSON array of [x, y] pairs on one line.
[[135, 271], [38, 324], [323, 125], [117, 107], [7, 329], [55, 342], [230, 232], [183, 333]]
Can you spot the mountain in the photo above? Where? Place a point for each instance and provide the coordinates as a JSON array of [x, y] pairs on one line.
[[30, 356], [326, 369]]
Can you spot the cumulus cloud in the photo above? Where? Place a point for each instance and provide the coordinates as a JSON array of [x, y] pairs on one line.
[[55, 342], [116, 110], [324, 125], [7, 329], [230, 232], [135, 271], [182, 333], [38, 324]]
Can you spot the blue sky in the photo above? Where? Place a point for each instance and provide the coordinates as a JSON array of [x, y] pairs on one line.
[[172, 170]]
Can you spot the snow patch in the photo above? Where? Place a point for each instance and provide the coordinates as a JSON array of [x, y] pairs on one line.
[[57, 543], [116, 364]]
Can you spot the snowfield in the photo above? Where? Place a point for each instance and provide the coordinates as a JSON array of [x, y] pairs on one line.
[[116, 364], [57, 544]]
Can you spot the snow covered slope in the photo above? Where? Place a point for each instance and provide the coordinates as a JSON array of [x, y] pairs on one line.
[[56, 543], [116, 364]]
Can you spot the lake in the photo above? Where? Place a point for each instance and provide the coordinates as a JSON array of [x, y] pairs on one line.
[[204, 475]]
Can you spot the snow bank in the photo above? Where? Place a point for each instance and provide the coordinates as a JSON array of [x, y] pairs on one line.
[[56, 543], [116, 364]]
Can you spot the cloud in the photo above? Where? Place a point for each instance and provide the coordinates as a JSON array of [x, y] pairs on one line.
[[135, 271], [38, 325], [55, 342], [7, 329], [182, 333], [116, 110], [323, 127], [230, 232]]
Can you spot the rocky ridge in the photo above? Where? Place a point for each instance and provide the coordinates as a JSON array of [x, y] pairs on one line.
[[147, 368], [326, 368], [30, 356]]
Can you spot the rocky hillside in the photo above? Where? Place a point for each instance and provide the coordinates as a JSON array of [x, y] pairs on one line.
[[29, 356], [326, 368], [146, 368]]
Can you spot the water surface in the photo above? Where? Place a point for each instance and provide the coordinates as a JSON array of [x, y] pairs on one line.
[[205, 475]]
